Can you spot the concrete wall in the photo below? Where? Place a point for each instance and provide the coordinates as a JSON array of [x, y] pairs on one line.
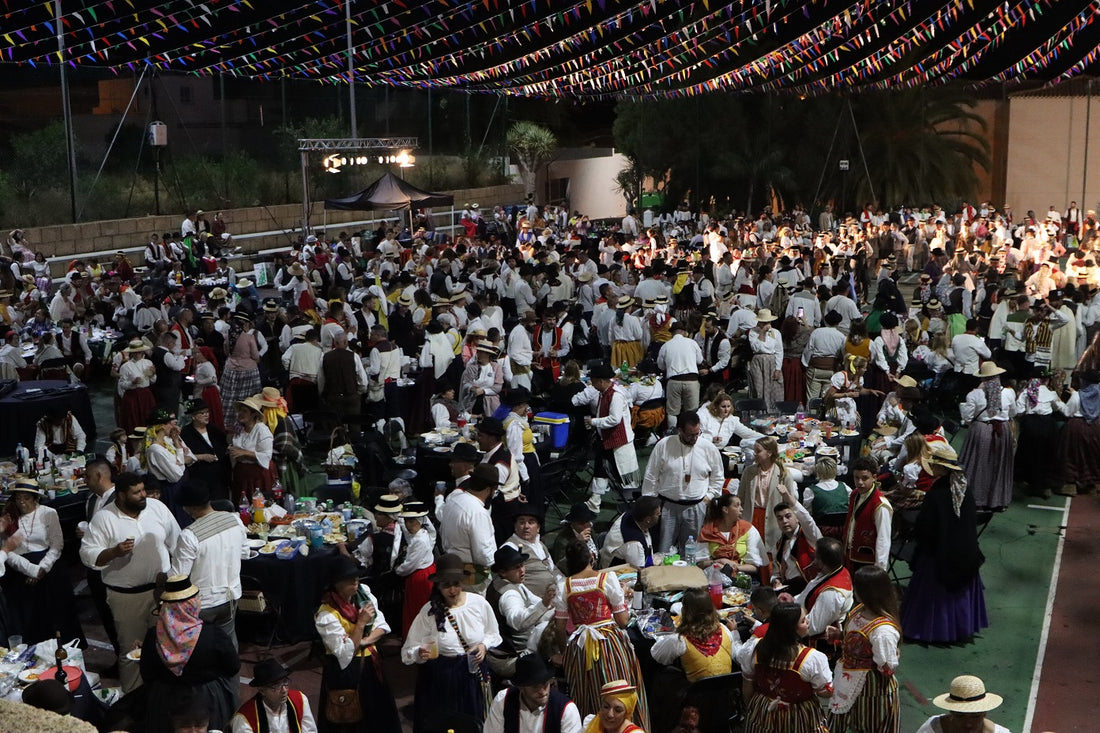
[[106, 237], [1046, 149], [592, 188]]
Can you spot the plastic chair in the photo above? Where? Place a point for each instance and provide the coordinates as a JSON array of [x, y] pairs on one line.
[[786, 407], [719, 702], [749, 409], [271, 612]]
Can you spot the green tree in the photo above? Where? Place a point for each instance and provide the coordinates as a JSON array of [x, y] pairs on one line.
[[532, 145], [39, 160]]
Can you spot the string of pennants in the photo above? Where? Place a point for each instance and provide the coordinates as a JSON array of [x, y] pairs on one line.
[[593, 49]]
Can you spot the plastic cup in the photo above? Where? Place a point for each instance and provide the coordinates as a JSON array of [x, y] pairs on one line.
[[15, 641], [472, 663], [432, 648], [83, 527]]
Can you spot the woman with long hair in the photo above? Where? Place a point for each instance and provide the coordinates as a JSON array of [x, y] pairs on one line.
[[783, 678], [598, 651], [241, 375], [720, 425], [350, 624], [448, 640], [845, 387], [759, 492], [865, 697], [766, 367], [858, 343], [734, 544], [704, 645]]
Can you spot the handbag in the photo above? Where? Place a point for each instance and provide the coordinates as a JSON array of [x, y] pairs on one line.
[[342, 707]]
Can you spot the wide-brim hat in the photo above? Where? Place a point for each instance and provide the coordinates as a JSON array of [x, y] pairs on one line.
[[449, 567], [404, 299], [252, 403], [296, 269], [178, 588], [508, 557], [270, 306], [465, 452], [989, 369], [765, 315], [135, 346], [531, 670], [625, 302], [491, 426], [242, 317], [159, 416], [941, 453], [584, 276], [968, 695], [219, 294], [601, 371], [244, 284], [270, 397], [414, 510], [268, 672], [27, 486], [388, 504], [487, 347], [934, 304], [196, 405], [580, 512], [905, 381]]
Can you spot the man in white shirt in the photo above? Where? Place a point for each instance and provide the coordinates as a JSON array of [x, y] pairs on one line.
[[821, 356], [680, 358], [525, 615], [275, 708], [466, 527], [615, 459], [521, 350], [129, 541], [828, 597], [805, 306], [843, 304], [11, 352], [969, 349], [685, 473], [629, 226], [525, 706], [210, 550], [101, 492]]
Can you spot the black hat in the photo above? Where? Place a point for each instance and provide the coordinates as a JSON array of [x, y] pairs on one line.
[[525, 509], [648, 366], [242, 317], [485, 476], [531, 670], [517, 396], [49, 695], [343, 567], [194, 494], [833, 318], [491, 426], [465, 452], [581, 512], [508, 557], [196, 405], [449, 567], [159, 416], [924, 420], [268, 672], [601, 371]]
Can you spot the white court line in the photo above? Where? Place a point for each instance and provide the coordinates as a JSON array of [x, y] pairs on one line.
[[1049, 508], [1041, 654]]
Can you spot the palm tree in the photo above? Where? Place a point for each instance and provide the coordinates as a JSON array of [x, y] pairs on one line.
[[532, 145]]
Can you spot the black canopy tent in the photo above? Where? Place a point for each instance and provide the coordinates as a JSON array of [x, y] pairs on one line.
[[389, 193]]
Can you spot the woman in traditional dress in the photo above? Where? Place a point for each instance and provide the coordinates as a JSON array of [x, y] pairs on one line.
[[206, 380], [350, 623], [734, 544], [135, 374], [1079, 449], [625, 333], [448, 640], [889, 354], [241, 375], [251, 452], [419, 563], [618, 701], [703, 645], [766, 367], [784, 679], [181, 655], [1038, 437], [945, 600], [168, 458], [210, 446], [865, 696], [37, 590], [844, 388], [598, 651], [286, 451], [759, 492], [988, 451]]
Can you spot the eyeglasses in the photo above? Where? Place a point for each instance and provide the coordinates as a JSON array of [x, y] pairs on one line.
[[282, 685]]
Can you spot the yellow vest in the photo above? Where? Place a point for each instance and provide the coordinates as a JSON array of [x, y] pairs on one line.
[[698, 666], [528, 435], [349, 627]]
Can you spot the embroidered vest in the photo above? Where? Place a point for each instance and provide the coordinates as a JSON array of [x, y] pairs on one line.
[[859, 529], [803, 553], [856, 648], [614, 437], [784, 684]]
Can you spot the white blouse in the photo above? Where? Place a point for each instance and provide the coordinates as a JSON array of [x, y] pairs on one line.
[[670, 647], [135, 375], [629, 330], [975, 407], [41, 530], [418, 548], [814, 669], [1046, 404], [258, 440], [167, 464], [770, 343], [884, 651], [336, 640], [475, 618], [720, 430]]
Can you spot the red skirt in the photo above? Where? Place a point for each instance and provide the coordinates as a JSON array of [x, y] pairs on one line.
[[759, 519], [794, 379], [247, 477], [135, 408], [417, 590], [212, 396]]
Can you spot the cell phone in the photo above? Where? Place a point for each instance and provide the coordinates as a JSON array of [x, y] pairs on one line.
[[800, 312]]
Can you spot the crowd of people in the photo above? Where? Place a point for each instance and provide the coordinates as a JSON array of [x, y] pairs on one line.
[[643, 333]]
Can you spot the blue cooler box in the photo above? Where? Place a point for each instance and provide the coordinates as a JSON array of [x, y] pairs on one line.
[[559, 427]]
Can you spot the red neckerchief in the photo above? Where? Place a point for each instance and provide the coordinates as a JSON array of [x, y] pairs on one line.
[[345, 608], [707, 647]]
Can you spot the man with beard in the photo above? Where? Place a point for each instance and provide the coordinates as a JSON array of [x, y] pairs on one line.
[[129, 542]]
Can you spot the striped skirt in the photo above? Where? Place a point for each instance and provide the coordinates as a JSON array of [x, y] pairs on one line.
[[762, 382], [762, 715], [617, 662], [987, 458], [236, 385], [877, 709]]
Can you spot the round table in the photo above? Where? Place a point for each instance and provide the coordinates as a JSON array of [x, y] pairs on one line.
[[296, 586], [23, 407]]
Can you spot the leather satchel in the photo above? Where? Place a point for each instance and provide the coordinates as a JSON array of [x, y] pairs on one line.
[[342, 707]]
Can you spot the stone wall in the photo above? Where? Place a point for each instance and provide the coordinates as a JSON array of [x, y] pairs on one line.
[[65, 241]]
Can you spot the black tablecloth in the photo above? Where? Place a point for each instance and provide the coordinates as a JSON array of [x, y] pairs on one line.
[[20, 412], [296, 585]]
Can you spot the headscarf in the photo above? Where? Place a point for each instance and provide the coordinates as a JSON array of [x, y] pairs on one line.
[[1090, 402], [992, 389], [272, 415], [624, 693], [178, 629], [1032, 392], [958, 490]]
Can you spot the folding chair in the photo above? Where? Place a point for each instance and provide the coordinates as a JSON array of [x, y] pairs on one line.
[[749, 409], [787, 407], [258, 607], [903, 547], [319, 427], [816, 407]]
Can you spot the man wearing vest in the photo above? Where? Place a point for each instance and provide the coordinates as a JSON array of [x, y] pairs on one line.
[[210, 550], [828, 597], [717, 351], [870, 516], [169, 371], [275, 708], [794, 553], [532, 704], [615, 458]]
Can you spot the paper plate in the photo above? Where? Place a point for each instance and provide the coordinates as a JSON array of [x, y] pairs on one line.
[[134, 655], [28, 676], [256, 544]]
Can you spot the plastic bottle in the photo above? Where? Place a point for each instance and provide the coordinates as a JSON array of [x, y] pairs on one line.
[[691, 550], [624, 369], [801, 414], [277, 491], [258, 506], [714, 585], [20, 461], [242, 508]]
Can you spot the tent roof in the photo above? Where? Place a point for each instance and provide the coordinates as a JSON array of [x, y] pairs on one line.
[[581, 49], [389, 192]]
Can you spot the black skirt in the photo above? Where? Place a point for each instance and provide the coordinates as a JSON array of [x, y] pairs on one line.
[[37, 611], [1036, 446], [375, 698]]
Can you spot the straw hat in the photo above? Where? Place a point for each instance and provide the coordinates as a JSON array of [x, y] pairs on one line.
[[270, 397], [621, 687], [26, 485], [244, 284], [765, 315], [219, 294], [625, 302], [989, 369], [584, 276], [178, 588], [968, 695], [414, 510], [905, 381], [253, 404], [941, 454], [135, 346], [405, 300], [388, 504]]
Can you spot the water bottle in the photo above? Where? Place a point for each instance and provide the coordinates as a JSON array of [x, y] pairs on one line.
[[624, 369], [20, 458], [690, 550], [801, 414], [714, 585]]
